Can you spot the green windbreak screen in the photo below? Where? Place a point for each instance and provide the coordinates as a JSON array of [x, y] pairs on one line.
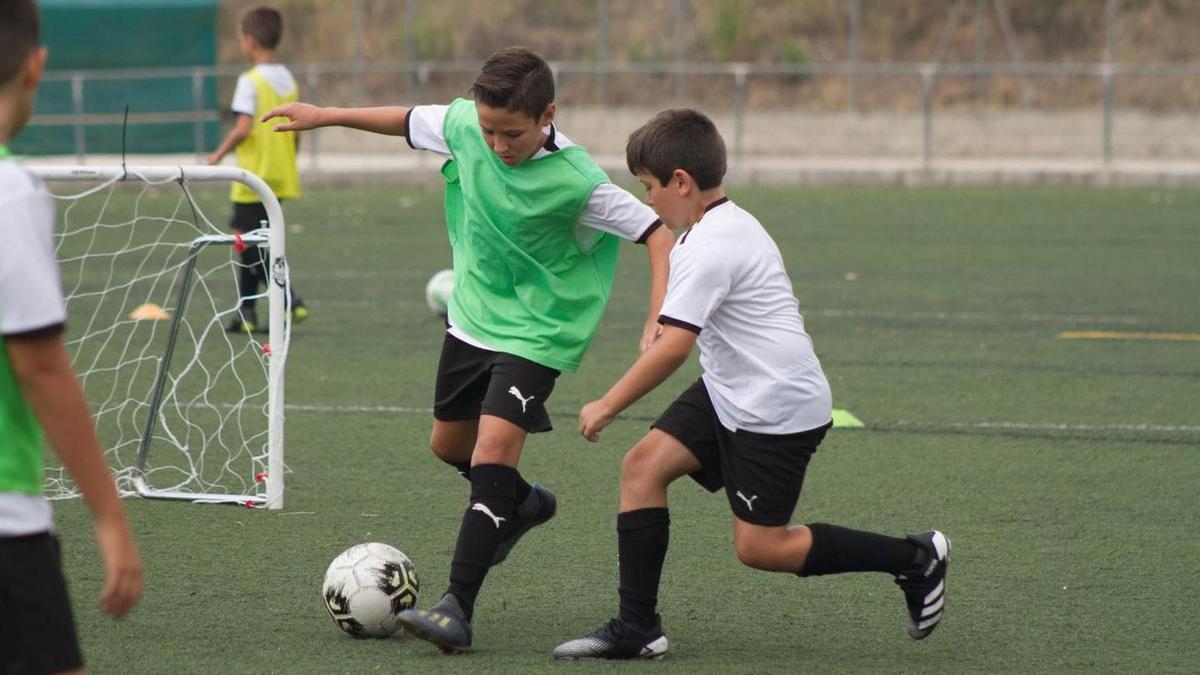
[[123, 34]]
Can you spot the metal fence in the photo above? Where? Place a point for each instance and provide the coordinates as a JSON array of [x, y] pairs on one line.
[[348, 84]]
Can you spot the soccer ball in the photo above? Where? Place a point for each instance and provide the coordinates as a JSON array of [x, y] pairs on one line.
[[438, 290], [367, 586]]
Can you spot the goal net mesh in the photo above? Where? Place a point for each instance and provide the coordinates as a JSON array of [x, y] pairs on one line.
[[180, 405]]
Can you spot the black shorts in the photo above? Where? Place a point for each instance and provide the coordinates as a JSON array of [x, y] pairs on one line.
[[38, 634], [248, 217], [473, 382], [762, 473]]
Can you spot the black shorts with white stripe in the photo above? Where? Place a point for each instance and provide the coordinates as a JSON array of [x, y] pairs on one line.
[[473, 382], [762, 473]]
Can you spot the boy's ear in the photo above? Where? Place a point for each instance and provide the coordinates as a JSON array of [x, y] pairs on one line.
[[683, 181], [547, 117], [35, 65]]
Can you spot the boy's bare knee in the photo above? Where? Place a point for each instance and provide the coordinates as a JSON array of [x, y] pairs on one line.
[[638, 467], [495, 450]]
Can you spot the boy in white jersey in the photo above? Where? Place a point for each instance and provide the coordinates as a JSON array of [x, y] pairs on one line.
[[39, 396], [270, 156], [749, 424], [534, 227]]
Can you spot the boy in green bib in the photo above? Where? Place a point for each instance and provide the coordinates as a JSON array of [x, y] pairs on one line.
[[270, 156], [40, 399], [534, 227]]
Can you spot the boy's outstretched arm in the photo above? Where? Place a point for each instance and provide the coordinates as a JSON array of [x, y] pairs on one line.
[[651, 369], [382, 120], [48, 383], [242, 126], [658, 250]]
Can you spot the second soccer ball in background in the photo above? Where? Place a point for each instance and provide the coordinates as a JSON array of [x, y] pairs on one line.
[[438, 290]]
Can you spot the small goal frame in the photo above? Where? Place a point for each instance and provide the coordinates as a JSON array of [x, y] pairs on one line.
[[279, 322]]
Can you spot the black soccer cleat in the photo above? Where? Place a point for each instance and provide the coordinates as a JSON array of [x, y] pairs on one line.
[[925, 588], [537, 508], [299, 311], [244, 321], [616, 639], [445, 625]]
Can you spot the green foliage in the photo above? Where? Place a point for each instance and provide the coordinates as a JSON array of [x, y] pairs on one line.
[[434, 39], [730, 30], [794, 53]]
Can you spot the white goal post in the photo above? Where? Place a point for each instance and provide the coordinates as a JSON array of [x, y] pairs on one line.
[[225, 427]]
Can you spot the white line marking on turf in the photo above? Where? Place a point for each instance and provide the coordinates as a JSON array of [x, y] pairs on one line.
[[1019, 426], [978, 316], [359, 408], [1027, 426]]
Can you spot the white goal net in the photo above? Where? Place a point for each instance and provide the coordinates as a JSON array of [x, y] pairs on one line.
[[184, 409]]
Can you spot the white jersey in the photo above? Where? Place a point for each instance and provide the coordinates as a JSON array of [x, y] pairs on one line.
[[728, 285], [609, 209], [245, 95], [30, 300]]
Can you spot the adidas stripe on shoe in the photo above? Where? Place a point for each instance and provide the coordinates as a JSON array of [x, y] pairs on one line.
[[925, 588]]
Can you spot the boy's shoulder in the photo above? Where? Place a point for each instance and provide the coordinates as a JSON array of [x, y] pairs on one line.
[[16, 181], [581, 160], [727, 229]]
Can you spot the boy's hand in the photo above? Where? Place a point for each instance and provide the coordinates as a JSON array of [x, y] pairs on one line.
[[213, 159], [650, 333], [122, 566], [302, 115], [593, 417]]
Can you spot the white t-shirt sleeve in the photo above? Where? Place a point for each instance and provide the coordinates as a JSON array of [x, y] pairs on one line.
[[423, 129], [245, 97], [30, 289], [614, 210], [699, 281]]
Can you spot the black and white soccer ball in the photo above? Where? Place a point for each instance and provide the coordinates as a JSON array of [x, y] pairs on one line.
[[367, 586]]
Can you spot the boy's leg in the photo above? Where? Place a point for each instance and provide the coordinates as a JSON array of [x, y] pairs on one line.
[[643, 524], [790, 549], [502, 506], [245, 218], [681, 442], [454, 442], [488, 520], [643, 532], [764, 475], [464, 377]]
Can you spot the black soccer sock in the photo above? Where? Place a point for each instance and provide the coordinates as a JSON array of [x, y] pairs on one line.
[[486, 522], [838, 549], [463, 468], [642, 537]]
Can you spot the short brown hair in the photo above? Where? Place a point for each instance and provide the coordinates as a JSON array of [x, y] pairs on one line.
[[264, 24], [18, 36], [516, 80], [680, 138]]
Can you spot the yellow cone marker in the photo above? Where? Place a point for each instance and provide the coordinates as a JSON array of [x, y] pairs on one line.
[[844, 419]]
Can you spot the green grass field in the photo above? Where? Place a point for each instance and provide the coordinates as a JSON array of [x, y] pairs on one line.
[[1067, 472]]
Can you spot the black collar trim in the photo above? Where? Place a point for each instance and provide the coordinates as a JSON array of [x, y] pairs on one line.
[[715, 204]]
